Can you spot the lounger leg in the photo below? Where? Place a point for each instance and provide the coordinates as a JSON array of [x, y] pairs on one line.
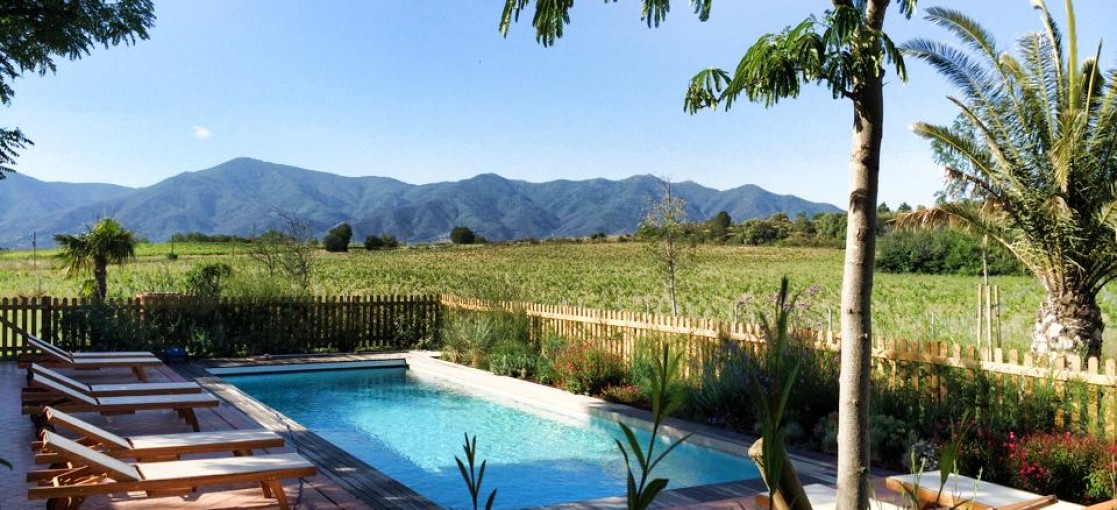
[[191, 418], [140, 374], [277, 493], [71, 503]]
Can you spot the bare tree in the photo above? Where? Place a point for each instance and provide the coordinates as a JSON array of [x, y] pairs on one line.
[[669, 248], [288, 248]]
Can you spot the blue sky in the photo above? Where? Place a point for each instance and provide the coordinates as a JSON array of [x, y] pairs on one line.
[[428, 91]]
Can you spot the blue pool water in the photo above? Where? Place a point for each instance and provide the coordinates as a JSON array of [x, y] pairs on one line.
[[411, 427]]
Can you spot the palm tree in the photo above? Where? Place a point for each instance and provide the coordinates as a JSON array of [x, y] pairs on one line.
[[846, 51], [1031, 163], [106, 242]]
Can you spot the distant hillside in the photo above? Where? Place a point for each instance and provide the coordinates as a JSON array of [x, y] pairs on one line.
[[241, 196]]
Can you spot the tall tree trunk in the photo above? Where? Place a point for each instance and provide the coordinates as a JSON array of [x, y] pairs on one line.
[[100, 277], [857, 293], [1069, 322]]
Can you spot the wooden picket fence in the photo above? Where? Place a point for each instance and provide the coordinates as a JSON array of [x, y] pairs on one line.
[[1066, 393], [225, 327]]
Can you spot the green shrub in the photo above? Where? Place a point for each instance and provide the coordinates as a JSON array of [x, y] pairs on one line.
[[722, 395], [816, 387], [467, 338], [373, 243], [549, 347], [337, 239], [462, 235], [942, 251], [513, 358], [204, 280], [478, 338]]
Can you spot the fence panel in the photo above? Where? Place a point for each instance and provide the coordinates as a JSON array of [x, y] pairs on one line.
[[226, 327], [1065, 394]]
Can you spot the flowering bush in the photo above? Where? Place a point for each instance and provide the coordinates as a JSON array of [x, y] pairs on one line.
[[1075, 468], [581, 367]]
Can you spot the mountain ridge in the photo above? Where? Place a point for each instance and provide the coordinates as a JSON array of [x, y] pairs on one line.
[[242, 196]]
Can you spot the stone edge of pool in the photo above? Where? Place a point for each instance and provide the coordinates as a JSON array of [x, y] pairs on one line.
[[517, 390]]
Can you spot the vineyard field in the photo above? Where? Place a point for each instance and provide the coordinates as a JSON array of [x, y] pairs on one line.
[[722, 281]]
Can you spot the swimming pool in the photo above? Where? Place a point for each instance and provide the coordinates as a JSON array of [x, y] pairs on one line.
[[410, 426]]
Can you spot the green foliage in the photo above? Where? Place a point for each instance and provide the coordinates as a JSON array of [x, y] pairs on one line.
[[513, 353], [337, 239], [942, 251], [462, 235], [373, 242], [472, 476], [890, 439], [551, 17], [381, 242], [722, 396], [35, 33], [480, 339], [770, 390], [840, 50], [1024, 158], [204, 279], [106, 242], [665, 399], [585, 368], [199, 237]]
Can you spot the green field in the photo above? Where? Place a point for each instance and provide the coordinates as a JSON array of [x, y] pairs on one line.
[[602, 275]]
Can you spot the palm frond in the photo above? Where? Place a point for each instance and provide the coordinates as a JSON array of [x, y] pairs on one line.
[[965, 28]]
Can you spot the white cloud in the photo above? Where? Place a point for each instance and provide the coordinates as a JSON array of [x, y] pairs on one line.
[[202, 132]]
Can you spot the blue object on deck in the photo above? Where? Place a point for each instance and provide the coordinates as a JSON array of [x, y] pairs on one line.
[[174, 355]]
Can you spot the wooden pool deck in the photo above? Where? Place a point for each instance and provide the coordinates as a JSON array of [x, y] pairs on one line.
[[343, 480]]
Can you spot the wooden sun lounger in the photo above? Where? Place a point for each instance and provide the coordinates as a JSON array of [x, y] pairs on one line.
[[110, 390], [160, 446], [91, 472], [823, 497], [43, 345], [971, 494], [73, 400], [135, 361]]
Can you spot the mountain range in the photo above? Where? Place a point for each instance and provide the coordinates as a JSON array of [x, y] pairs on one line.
[[243, 195]]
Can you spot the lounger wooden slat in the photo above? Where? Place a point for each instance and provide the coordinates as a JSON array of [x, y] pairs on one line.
[[43, 345], [118, 390], [163, 446], [134, 361], [116, 477], [71, 400]]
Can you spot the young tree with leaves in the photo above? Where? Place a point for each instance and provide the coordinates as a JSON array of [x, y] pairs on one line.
[[845, 50], [1030, 163], [34, 32]]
